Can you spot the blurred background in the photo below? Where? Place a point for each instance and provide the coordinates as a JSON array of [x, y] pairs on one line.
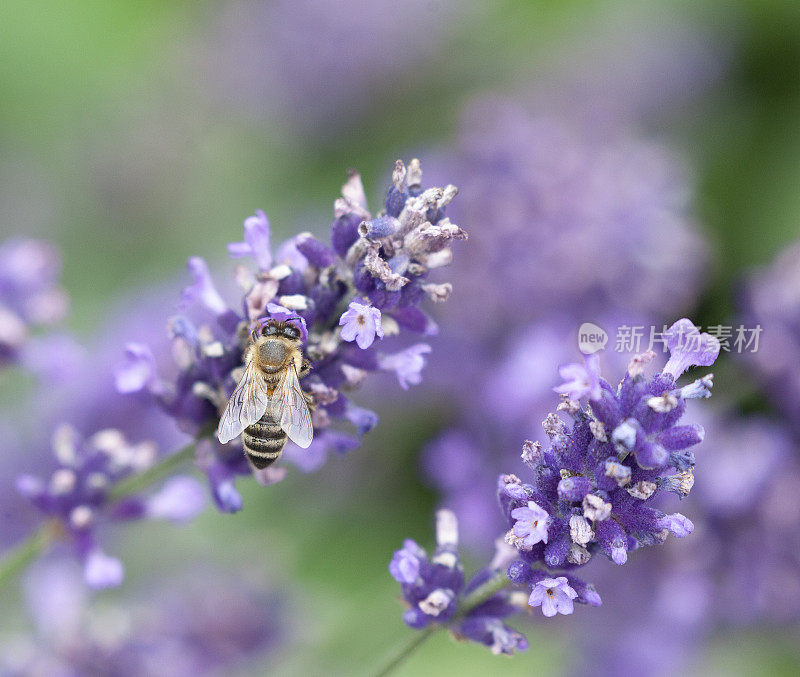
[[617, 162]]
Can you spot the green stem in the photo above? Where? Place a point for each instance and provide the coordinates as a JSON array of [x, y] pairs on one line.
[[40, 540], [161, 470], [404, 652], [26, 552], [481, 594]]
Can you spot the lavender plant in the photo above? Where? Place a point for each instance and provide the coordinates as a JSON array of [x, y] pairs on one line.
[[345, 297], [570, 212], [673, 602], [592, 491], [437, 593], [85, 492]]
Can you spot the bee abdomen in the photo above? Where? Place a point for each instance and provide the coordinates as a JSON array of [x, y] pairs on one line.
[[263, 443]]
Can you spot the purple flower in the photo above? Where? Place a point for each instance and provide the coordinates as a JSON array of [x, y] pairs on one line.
[[433, 588], [554, 595], [678, 525], [256, 241], [361, 323], [581, 380], [495, 634], [202, 290], [530, 527], [407, 364], [596, 484], [381, 276], [405, 564], [101, 571], [689, 348], [138, 371], [77, 494]]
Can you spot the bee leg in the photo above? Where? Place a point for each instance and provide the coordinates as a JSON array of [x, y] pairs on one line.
[[305, 368]]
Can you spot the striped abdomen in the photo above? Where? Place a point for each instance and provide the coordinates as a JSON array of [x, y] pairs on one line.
[[263, 442]]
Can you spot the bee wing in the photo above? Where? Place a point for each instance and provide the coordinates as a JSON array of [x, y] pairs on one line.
[[247, 404], [289, 405]]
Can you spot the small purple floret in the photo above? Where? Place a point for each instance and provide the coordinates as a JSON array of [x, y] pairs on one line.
[[531, 524], [361, 323], [554, 595], [256, 241], [689, 348], [581, 380]]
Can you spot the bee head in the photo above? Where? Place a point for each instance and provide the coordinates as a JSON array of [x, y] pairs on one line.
[[276, 328]]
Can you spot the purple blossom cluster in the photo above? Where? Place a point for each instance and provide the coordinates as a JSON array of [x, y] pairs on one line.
[[594, 488], [76, 498], [740, 572], [30, 298], [348, 297], [579, 221], [434, 589], [205, 624], [594, 491]]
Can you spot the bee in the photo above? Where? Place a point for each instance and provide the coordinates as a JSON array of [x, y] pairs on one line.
[[268, 405]]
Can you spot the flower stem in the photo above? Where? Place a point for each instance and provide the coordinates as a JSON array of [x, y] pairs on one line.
[[481, 594], [20, 556], [26, 552], [404, 652], [161, 470]]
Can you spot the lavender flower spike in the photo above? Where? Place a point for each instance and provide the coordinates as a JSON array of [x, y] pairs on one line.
[[596, 485], [361, 284], [433, 588], [77, 494]]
